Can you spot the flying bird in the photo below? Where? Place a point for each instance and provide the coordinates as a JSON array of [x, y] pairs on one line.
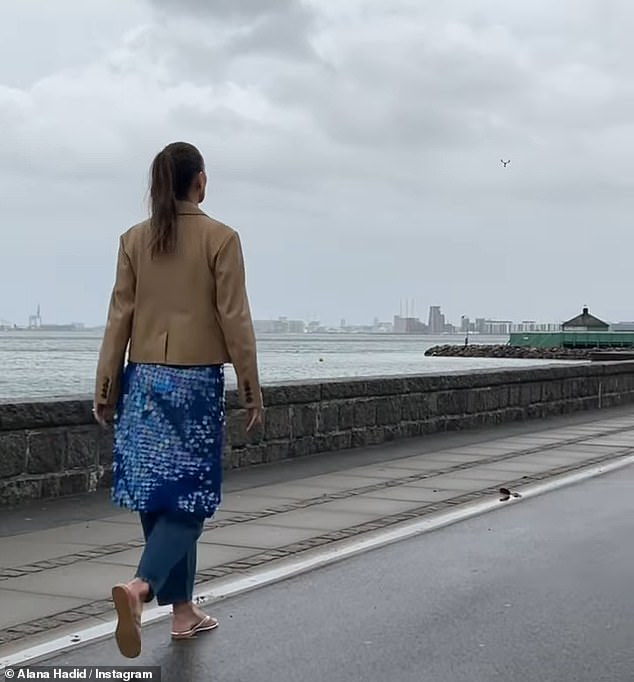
[[505, 162]]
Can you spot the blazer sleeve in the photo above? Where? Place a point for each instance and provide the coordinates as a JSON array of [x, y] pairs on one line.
[[235, 319], [117, 333]]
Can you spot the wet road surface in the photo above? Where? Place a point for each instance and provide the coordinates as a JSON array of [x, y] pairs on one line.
[[540, 590]]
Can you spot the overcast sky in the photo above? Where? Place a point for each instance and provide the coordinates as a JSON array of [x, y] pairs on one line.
[[354, 144]]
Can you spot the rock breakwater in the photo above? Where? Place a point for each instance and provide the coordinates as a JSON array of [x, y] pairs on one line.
[[513, 352]]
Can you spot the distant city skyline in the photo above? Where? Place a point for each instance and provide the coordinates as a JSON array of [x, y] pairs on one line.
[[437, 323]]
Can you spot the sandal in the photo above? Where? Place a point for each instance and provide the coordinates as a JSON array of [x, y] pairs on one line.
[[207, 623], [128, 632]]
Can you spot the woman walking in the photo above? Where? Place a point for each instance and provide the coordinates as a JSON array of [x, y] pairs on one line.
[[179, 307]]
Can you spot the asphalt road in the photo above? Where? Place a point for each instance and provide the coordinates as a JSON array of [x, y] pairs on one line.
[[540, 590]]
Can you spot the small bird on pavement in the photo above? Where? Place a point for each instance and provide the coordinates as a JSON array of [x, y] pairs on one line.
[[506, 494]]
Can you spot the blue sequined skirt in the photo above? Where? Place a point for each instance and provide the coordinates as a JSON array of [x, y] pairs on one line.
[[168, 439]]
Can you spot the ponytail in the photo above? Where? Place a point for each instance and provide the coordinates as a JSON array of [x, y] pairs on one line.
[[173, 171], [163, 221]]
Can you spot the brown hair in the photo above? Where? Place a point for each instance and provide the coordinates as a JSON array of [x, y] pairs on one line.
[[172, 174]]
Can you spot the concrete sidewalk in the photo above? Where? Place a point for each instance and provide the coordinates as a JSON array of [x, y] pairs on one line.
[[59, 559]]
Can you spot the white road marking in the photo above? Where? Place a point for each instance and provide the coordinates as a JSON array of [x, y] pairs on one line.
[[231, 586]]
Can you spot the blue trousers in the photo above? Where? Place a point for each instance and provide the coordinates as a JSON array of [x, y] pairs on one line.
[[168, 562]]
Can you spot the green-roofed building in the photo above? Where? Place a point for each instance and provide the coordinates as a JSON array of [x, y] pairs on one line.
[[582, 331]]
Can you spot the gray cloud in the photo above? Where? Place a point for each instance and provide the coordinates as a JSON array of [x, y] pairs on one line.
[[228, 8], [355, 145], [277, 26]]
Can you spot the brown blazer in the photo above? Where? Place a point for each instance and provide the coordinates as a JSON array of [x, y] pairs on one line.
[[186, 308]]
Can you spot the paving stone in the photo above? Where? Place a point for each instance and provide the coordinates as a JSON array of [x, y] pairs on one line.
[[256, 535], [21, 607], [527, 466], [318, 519], [85, 581], [362, 476], [86, 533], [209, 555], [455, 482], [416, 494], [622, 441], [234, 503], [483, 475], [330, 483], [369, 505], [438, 459], [22, 550]]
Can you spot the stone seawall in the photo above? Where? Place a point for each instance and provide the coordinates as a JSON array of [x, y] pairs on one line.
[[50, 449]]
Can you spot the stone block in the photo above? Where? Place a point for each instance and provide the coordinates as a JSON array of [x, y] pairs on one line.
[[66, 484], [324, 443], [458, 422], [50, 487], [106, 480], [536, 389], [301, 447], [364, 413], [277, 423], [360, 438], [46, 451], [16, 491], [253, 455], [344, 390], [393, 432], [411, 429], [104, 446], [432, 425], [387, 386], [292, 393], [388, 410], [328, 418], [572, 388], [346, 416], [514, 414], [303, 420], [502, 393], [409, 407], [525, 395], [43, 414], [429, 406], [74, 483], [342, 441], [235, 430], [82, 451], [12, 454], [515, 391], [232, 400], [452, 402], [368, 436], [482, 400], [277, 451]]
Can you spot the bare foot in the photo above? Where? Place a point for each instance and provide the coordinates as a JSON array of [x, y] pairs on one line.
[[187, 616]]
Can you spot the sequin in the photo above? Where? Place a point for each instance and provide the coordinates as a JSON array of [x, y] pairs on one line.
[[168, 439]]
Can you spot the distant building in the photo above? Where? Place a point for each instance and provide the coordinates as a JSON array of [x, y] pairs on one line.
[[585, 323], [623, 327], [280, 326], [408, 325], [436, 323]]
